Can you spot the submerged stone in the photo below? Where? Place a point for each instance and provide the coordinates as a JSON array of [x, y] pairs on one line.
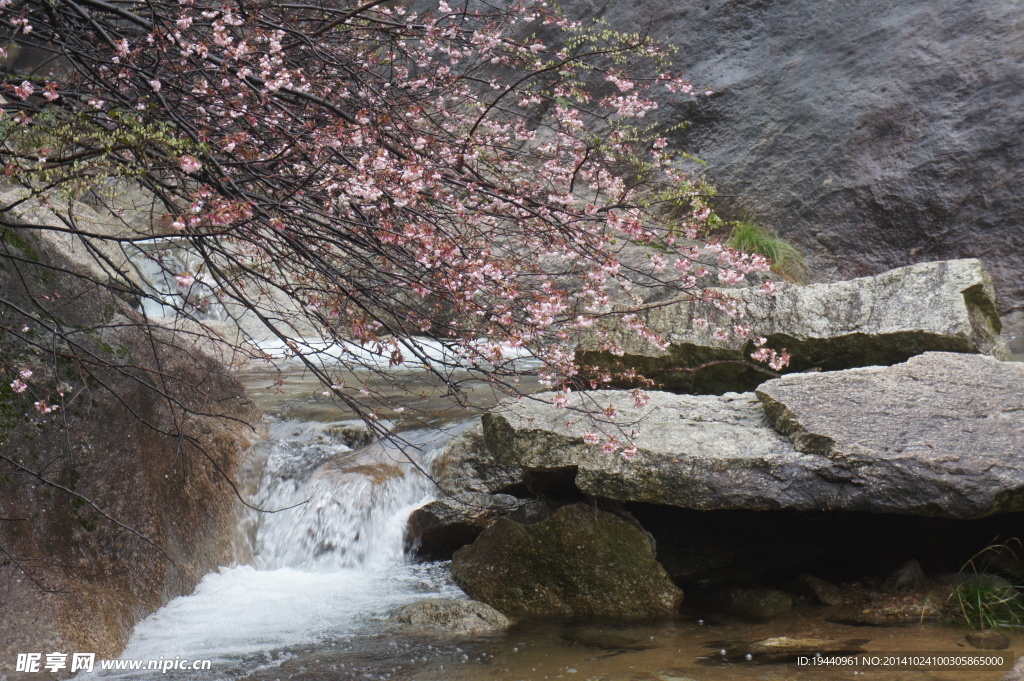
[[779, 648], [988, 639], [455, 615]]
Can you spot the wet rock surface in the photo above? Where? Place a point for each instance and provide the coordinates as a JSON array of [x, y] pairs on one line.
[[454, 615], [437, 530], [758, 604], [582, 561], [880, 320], [942, 434], [873, 134], [125, 497]]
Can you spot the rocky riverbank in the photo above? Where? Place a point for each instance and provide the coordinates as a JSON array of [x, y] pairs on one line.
[[120, 450], [752, 498]]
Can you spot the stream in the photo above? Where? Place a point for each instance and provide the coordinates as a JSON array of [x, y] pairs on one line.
[[310, 597]]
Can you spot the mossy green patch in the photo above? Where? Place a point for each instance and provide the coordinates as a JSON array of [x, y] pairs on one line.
[[11, 236]]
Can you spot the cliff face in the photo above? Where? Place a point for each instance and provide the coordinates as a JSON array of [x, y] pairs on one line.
[[874, 134], [120, 500]]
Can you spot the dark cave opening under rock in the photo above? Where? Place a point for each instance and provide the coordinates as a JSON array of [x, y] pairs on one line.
[[704, 549]]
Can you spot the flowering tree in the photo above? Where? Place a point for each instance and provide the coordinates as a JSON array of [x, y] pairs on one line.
[[468, 174]]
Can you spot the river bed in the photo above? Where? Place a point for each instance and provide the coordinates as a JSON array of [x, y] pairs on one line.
[[315, 584]]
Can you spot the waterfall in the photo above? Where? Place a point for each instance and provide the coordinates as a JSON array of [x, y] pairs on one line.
[[346, 509], [173, 277], [328, 569]]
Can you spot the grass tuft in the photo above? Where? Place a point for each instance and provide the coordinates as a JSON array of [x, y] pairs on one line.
[[985, 600], [787, 260]]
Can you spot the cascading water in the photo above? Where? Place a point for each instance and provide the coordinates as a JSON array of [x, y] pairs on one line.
[[172, 277], [347, 509], [328, 559]]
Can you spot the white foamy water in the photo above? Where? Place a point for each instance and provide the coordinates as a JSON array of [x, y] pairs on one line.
[[346, 509], [244, 611]]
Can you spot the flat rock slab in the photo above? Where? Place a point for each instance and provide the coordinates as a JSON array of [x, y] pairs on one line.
[[942, 434], [881, 320], [693, 451]]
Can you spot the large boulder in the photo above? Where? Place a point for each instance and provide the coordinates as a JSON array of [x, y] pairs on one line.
[[885, 319], [581, 561], [473, 489], [464, 467], [942, 434], [874, 134], [124, 497]]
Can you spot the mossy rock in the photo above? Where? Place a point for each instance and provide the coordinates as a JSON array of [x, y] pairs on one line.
[[581, 561]]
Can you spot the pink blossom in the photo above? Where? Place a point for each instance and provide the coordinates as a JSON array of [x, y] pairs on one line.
[[190, 164], [23, 91], [44, 408], [730, 277], [777, 360], [184, 280], [591, 438], [18, 386], [561, 399]]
